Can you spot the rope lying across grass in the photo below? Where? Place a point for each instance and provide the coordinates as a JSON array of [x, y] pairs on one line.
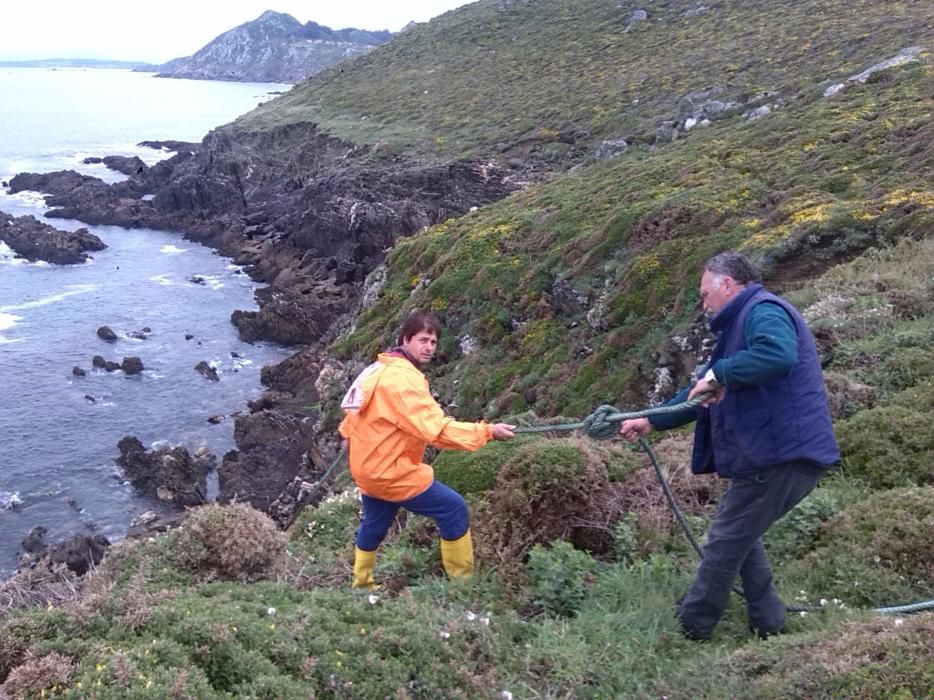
[[603, 424]]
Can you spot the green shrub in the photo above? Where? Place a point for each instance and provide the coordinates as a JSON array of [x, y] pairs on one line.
[[796, 533], [889, 446], [232, 542], [474, 472], [876, 552], [559, 576]]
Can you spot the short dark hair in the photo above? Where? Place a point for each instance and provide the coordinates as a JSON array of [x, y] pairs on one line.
[[419, 321], [735, 265]]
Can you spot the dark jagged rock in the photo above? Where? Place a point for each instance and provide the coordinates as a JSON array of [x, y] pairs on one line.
[[78, 372], [167, 473], [34, 542], [132, 365], [106, 333], [170, 145], [208, 372], [128, 165], [274, 448], [92, 160], [34, 240], [112, 366], [79, 553], [99, 362]]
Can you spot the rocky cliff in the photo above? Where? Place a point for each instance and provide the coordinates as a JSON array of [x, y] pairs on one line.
[[273, 48]]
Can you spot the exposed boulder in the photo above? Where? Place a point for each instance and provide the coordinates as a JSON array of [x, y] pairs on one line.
[[207, 371], [132, 365], [99, 362], [34, 542], [80, 552], [106, 333], [77, 371], [128, 165], [34, 240], [170, 474]]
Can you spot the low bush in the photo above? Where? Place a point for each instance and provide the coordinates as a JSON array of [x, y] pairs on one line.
[[230, 542], [876, 552], [889, 446], [559, 576], [474, 472]]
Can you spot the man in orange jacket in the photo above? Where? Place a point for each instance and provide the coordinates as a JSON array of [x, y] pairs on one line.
[[390, 418]]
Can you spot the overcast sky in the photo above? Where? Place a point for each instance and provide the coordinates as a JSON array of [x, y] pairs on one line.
[[156, 31]]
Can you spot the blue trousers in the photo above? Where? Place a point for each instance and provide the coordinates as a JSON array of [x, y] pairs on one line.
[[734, 548], [441, 503]]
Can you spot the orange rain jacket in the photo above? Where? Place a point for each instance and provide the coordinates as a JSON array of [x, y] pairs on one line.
[[390, 418]]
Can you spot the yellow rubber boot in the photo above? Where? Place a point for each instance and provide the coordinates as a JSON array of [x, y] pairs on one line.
[[457, 556], [364, 564]]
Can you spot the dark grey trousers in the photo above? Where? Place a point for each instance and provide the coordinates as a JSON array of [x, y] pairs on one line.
[[734, 547]]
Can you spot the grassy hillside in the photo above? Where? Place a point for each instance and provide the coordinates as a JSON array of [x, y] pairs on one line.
[[799, 190], [563, 296], [551, 76]]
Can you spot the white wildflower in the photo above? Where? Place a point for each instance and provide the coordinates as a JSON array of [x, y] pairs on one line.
[[823, 602], [373, 599], [270, 611], [506, 695], [803, 613], [471, 615], [899, 622], [485, 620], [444, 635]]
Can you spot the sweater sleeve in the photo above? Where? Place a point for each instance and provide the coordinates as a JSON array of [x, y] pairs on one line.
[[666, 421], [771, 348], [417, 413]]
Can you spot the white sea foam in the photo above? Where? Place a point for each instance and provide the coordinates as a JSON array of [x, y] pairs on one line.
[[7, 321], [161, 279], [9, 500], [212, 281], [172, 249], [8, 257], [71, 291]]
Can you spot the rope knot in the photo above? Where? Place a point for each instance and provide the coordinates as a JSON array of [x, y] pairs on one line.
[[601, 424]]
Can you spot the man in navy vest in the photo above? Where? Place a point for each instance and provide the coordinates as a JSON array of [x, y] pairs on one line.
[[765, 425]]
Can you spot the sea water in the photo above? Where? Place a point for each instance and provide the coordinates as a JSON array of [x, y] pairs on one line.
[[58, 431]]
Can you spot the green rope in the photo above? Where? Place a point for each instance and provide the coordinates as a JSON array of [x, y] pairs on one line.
[[602, 424]]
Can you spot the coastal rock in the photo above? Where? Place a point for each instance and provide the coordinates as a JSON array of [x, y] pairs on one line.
[[112, 366], [34, 542], [170, 145], [99, 362], [78, 372], [208, 372], [132, 365], [34, 240], [128, 165], [274, 448], [80, 552], [106, 333], [167, 473]]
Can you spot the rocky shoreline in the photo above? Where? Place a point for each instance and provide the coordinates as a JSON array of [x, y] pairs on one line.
[[307, 214]]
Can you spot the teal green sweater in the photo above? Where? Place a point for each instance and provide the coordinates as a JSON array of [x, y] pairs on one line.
[[771, 351]]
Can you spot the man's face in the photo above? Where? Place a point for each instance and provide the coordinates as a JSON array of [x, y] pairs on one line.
[[421, 346], [716, 291]]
